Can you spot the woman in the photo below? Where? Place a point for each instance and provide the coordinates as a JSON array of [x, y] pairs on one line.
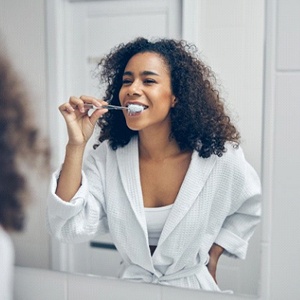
[[19, 147], [169, 183]]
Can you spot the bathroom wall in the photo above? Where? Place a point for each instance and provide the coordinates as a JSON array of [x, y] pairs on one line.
[[231, 40], [281, 148]]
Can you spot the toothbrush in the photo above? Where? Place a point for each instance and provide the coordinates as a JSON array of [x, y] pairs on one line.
[[132, 108], [91, 106]]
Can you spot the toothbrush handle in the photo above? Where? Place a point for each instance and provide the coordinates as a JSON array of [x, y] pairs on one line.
[[114, 107], [91, 106]]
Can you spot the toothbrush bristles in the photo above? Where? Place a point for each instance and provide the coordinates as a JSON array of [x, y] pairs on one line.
[[135, 108]]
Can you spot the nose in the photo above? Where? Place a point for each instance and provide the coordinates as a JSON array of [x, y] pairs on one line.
[[134, 89]]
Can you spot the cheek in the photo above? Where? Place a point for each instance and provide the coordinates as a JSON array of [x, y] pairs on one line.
[[168, 98], [121, 93]]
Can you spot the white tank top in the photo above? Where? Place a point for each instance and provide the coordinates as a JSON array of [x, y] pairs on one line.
[[156, 218]]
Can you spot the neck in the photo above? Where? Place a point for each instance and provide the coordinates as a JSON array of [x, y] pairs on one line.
[[157, 146]]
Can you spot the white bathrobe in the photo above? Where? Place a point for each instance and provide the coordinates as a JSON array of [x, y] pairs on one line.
[[218, 202], [7, 259]]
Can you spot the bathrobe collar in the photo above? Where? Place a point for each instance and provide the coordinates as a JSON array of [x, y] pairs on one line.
[[128, 162], [189, 191]]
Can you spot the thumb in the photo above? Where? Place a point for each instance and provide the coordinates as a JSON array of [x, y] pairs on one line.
[[98, 113]]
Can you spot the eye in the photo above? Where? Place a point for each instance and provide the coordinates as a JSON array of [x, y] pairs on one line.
[[149, 81], [126, 81]]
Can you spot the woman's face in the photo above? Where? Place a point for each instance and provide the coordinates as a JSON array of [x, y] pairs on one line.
[[146, 81]]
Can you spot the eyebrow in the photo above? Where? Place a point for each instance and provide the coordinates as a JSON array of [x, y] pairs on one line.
[[144, 73]]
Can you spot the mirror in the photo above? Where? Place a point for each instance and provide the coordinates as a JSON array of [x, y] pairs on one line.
[[231, 42]]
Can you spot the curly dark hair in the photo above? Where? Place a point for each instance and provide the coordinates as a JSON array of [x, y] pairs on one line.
[[198, 120], [18, 142]]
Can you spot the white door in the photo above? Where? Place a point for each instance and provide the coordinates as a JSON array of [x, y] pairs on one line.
[[91, 29]]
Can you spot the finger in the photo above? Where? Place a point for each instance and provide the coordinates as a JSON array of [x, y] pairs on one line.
[[97, 114], [66, 107], [93, 100], [77, 103]]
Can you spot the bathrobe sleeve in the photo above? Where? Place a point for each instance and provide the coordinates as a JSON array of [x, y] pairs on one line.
[[85, 215], [245, 212]]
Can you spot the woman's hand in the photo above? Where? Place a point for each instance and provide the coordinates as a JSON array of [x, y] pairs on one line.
[[79, 124], [215, 252], [80, 128]]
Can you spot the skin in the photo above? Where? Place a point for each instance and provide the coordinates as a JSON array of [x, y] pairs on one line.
[[80, 128], [146, 80], [163, 166]]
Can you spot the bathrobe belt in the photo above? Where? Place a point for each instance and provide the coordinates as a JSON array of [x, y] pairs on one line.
[[137, 273]]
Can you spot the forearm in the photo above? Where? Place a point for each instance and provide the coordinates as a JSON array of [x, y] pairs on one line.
[[215, 252], [70, 177]]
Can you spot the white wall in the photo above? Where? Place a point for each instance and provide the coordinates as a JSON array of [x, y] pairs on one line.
[[281, 153], [230, 38]]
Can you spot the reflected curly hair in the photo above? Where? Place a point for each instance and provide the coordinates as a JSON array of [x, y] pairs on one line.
[[198, 120], [18, 142]]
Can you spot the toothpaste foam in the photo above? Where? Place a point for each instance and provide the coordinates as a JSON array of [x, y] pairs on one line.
[[135, 108]]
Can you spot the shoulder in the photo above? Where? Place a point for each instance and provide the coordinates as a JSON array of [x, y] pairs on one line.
[[234, 163], [104, 154], [6, 249], [242, 172], [95, 159], [7, 256], [234, 156], [99, 153]]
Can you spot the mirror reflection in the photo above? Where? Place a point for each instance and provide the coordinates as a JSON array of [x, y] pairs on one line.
[[226, 43], [169, 182]]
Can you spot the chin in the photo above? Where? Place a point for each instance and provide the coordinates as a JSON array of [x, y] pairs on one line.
[[133, 127]]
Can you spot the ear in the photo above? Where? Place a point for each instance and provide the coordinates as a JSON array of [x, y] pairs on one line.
[[174, 101]]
